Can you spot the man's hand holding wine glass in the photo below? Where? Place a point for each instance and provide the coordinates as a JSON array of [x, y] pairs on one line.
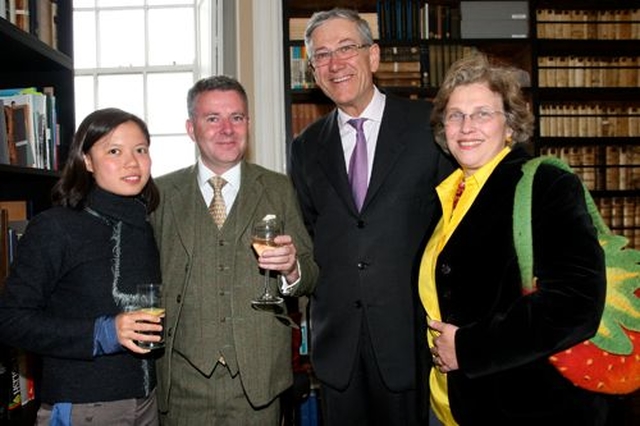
[[280, 257]]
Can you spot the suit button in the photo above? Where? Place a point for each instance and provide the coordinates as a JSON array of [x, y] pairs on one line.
[[445, 269], [170, 332], [221, 268], [223, 319], [360, 224], [220, 243], [357, 304], [179, 298], [363, 265]]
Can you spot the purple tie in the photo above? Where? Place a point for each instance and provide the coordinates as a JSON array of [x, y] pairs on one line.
[[358, 164]]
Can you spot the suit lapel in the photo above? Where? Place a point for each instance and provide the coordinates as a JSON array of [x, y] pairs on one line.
[[183, 207], [249, 196], [389, 147], [331, 159]]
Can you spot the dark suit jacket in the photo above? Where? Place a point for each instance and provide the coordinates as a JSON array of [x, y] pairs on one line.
[[262, 343], [366, 258], [504, 338]]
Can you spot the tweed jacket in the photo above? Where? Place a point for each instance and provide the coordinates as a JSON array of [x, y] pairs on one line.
[[262, 343]]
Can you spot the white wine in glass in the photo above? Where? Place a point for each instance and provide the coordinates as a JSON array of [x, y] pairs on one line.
[[264, 233]]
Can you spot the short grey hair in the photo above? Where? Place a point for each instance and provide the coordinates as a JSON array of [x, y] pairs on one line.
[[222, 83], [319, 18]]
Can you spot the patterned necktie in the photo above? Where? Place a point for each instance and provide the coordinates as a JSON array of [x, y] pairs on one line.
[[217, 208], [358, 164]]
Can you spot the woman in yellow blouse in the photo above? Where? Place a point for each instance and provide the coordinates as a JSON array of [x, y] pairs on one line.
[[490, 343]]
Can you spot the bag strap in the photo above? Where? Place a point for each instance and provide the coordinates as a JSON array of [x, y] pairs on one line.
[[522, 233]]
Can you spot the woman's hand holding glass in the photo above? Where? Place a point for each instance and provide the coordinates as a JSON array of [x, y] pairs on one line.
[[138, 326]]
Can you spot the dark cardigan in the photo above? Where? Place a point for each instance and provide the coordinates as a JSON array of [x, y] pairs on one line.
[[72, 267]]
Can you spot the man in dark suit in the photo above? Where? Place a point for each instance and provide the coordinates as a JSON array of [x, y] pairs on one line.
[[225, 363], [363, 323]]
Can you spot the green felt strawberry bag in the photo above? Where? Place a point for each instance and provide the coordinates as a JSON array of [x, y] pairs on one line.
[[609, 362]]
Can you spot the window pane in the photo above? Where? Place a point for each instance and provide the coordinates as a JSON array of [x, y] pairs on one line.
[[167, 101], [167, 44], [84, 46], [169, 153], [169, 2], [122, 91], [84, 97], [83, 3], [111, 3], [121, 38]]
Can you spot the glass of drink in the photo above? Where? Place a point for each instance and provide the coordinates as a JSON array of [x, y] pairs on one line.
[[150, 302], [264, 233]]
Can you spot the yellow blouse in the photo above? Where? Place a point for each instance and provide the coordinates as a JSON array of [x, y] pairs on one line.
[[446, 226]]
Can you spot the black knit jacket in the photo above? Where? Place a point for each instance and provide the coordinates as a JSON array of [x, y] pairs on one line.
[[72, 267]]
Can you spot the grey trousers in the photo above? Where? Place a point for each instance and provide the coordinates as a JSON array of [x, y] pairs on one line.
[[125, 412]]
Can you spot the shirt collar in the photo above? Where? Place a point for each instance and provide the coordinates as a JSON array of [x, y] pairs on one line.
[[372, 112], [483, 173], [232, 176]]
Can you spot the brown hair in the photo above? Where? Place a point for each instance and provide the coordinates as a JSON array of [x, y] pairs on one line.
[[503, 80]]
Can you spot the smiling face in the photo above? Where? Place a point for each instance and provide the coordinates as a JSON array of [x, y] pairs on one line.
[[347, 82], [120, 161], [220, 127], [474, 143]]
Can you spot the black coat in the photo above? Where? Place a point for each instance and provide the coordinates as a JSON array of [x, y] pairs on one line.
[[504, 338]]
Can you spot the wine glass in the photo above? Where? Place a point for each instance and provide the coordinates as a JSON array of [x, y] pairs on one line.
[[264, 233]]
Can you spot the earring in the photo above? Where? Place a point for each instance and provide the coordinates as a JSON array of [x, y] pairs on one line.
[[508, 140]]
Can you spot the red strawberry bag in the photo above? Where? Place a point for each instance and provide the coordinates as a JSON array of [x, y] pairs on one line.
[[609, 362]]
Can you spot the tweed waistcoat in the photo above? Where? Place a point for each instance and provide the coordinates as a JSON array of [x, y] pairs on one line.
[[207, 301]]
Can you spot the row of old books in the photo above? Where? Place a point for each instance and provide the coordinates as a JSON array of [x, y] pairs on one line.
[[622, 215], [301, 75], [413, 66], [602, 168], [578, 71], [621, 24], [412, 20], [401, 20], [37, 17], [29, 129], [303, 114], [588, 120], [401, 66], [17, 368]]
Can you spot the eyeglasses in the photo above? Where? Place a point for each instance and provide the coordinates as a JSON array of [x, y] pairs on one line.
[[322, 58], [482, 116]]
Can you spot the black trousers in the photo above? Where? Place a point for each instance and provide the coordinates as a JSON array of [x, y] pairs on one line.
[[367, 401]]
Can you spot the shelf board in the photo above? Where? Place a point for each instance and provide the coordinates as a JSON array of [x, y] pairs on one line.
[[6, 169], [22, 50], [559, 141], [578, 47], [589, 94]]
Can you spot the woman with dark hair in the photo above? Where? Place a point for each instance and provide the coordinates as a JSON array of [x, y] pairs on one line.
[[70, 293]]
